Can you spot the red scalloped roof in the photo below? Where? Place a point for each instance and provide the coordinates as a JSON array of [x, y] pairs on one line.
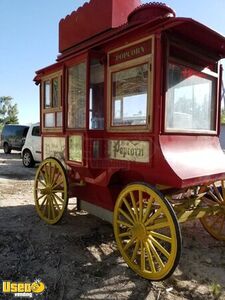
[[93, 18]]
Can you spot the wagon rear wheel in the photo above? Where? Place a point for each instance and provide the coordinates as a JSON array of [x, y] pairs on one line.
[[214, 224], [51, 190], [147, 231]]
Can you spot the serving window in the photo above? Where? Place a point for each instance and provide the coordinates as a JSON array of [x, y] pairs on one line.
[[96, 95], [77, 96], [130, 87], [190, 99], [52, 102], [130, 96]]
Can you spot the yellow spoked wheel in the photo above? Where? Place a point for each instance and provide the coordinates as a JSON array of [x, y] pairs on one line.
[[215, 223], [50, 190], [147, 231]]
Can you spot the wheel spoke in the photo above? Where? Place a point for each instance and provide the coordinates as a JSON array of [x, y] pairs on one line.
[[124, 224], [43, 176], [45, 207], [57, 184], [43, 202], [160, 247], [41, 182], [153, 217], [142, 257], [58, 191], [126, 216], [125, 234], [39, 198], [161, 236], [129, 209], [134, 205], [55, 202], [59, 199], [134, 255], [53, 174], [150, 258], [140, 199], [55, 179], [147, 211], [156, 255], [214, 197], [220, 199], [49, 209], [46, 174], [50, 173], [158, 226], [52, 208], [129, 244]]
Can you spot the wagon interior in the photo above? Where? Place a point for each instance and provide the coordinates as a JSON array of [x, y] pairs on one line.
[[130, 118]]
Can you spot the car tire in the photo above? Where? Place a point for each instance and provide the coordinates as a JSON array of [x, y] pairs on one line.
[[28, 160], [6, 148]]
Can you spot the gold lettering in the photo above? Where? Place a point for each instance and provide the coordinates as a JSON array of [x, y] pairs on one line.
[[20, 288], [129, 53], [6, 287], [27, 288], [14, 287]]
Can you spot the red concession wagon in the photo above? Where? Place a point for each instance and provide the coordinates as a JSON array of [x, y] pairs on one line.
[[130, 118]]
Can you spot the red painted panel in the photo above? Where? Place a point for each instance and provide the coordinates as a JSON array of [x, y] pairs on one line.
[[93, 18], [194, 158]]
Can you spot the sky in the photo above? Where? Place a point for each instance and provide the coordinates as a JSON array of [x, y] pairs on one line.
[[29, 41]]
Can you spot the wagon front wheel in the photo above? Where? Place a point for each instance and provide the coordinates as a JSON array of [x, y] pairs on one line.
[[147, 231], [51, 190]]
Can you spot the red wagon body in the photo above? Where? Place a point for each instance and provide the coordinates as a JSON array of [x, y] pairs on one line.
[[132, 110]]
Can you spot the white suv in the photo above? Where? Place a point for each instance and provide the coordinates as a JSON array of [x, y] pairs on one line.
[[31, 151]]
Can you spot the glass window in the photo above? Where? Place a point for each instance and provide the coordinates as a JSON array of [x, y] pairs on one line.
[[36, 131], [50, 120], [47, 89], [96, 93], [77, 96], [52, 111], [190, 100], [55, 92], [59, 119], [130, 96]]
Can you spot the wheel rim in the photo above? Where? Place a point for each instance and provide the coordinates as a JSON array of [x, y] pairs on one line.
[[50, 191], [215, 224], [27, 158], [147, 232]]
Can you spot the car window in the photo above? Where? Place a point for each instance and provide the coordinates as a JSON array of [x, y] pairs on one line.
[[36, 131]]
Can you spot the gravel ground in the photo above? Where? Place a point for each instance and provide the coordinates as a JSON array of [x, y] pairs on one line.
[[78, 258]]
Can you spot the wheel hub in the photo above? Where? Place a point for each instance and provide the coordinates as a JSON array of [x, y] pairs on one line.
[[47, 190], [139, 231]]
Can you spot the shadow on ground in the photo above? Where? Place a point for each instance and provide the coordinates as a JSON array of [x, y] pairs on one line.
[[78, 259]]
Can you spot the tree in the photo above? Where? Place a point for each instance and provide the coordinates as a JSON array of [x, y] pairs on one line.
[[8, 111]]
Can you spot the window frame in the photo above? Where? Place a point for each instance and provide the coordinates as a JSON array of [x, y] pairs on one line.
[[70, 66], [52, 110], [132, 63], [208, 74]]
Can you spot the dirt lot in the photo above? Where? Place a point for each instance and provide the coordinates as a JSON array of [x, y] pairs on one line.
[[78, 259]]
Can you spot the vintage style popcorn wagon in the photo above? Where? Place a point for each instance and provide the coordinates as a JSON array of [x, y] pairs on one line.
[[130, 118]]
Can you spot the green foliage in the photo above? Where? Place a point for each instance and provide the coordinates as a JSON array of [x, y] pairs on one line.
[[216, 290], [8, 111]]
